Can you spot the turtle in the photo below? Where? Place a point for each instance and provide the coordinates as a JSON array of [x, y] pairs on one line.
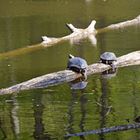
[[77, 64], [108, 58]]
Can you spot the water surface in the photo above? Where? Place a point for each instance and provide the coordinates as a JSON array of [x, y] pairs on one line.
[[52, 112]]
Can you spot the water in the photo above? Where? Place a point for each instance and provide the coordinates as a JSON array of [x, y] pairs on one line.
[[52, 112]]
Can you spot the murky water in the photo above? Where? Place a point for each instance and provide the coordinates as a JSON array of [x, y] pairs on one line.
[[52, 112]]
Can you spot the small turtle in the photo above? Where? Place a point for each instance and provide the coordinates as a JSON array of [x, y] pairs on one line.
[[77, 64], [108, 58]]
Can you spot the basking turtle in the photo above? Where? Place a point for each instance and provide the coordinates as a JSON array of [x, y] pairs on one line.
[[108, 58], [77, 64]]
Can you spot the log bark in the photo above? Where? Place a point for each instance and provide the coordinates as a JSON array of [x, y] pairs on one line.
[[106, 130], [67, 75]]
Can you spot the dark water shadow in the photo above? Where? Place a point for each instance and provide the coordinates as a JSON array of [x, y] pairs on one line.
[[39, 131]]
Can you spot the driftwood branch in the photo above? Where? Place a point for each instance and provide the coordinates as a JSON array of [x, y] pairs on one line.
[[90, 32], [67, 75], [77, 34], [106, 130], [121, 25]]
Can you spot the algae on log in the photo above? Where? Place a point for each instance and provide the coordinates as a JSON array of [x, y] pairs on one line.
[[67, 75]]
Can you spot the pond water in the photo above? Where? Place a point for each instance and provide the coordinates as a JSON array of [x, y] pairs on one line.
[[50, 113]]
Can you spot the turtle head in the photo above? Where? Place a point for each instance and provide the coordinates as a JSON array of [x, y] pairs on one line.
[[71, 56]]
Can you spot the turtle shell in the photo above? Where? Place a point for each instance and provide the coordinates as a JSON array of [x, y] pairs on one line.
[[77, 64], [108, 57]]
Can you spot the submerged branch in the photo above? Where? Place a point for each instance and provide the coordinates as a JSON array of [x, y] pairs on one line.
[[67, 75], [107, 130], [20, 51]]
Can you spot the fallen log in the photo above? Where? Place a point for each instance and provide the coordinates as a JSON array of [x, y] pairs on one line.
[[106, 130], [121, 25], [67, 75], [77, 34], [90, 32]]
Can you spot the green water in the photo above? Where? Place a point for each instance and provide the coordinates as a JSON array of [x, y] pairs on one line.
[[52, 112]]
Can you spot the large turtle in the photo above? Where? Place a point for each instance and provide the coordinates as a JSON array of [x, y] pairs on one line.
[[77, 64], [108, 58]]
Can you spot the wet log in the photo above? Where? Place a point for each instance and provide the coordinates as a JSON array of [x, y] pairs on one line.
[[106, 130], [67, 75]]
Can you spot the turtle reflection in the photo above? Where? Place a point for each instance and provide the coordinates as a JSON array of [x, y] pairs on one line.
[[77, 102], [79, 83], [108, 74]]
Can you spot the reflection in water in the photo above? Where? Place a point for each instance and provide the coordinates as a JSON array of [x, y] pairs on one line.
[[83, 101], [15, 105], [108, 74], [103, 102], [39, 133], [79, 39], [104, 90], [72, 114], [14, 117], [136, 108], [79, 83], [10, 128], [2, 131]]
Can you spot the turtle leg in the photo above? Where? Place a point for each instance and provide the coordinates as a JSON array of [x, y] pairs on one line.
[[84, 74], [113, 66]]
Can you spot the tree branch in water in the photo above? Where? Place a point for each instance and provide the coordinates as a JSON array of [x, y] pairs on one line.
[[106, 130]]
